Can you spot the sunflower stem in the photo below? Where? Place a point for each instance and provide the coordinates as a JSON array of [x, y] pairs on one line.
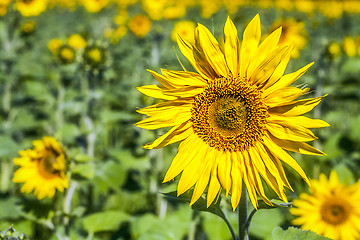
[[243, 217], [233, 234]]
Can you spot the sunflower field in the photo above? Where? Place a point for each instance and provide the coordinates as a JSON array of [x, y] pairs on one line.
[[179, 120]]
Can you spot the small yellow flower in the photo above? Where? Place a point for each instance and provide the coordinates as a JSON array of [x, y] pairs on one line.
[[185, 29], [140, 25], [29, 8], [28, 27], [331, 8], [42, 169], [293, 33], [94, 6], [334, 50], [66, 54], [54, 45], [94, 56], [4, 4], [306, 6], [331, 209], [76, 41], [349, 46], [116, 34]]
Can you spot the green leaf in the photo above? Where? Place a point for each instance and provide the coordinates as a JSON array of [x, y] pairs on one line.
[[199, 205], [111, 175], [345, 175], [10, 209], [295, 234], [8, 148], [104, 221], [85, 170], [264, 222], [173, 227]]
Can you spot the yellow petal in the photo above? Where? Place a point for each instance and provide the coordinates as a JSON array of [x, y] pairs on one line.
[[205, 176], [300, 120], [224, 171], [296, 108], [286, 80], [232, 47], [171, 117], [267, 67], [214, 185], [155, 91], [164, 106], [236, 176], [184, 78], [284, 95], [196, 61], [161, 79], [193, 170], [211, 50], [289, 131], [250, 42], [175, 134], [184, 92], [266, 47], [284, 156], [183, 157]]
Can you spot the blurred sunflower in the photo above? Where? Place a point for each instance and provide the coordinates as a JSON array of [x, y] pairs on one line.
[[235, 117], [349, 46], [185, 29], [293, 33], [4, 4], [42, 169], [76, 41], [331, 209], [29, 8], [140, 25], [94, 6]]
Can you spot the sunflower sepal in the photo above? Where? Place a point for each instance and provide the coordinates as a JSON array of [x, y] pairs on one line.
[[276, 203], [199, 205]]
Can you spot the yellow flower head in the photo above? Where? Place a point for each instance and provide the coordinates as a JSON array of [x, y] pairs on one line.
[[333, 50], [42, 169], [349, 46], [331, 209], [94, 6], [236, 116], [293, 33], [77, 41], [185, 29], [29, 8], [4, 4], [94, 56], [116, 34], [140, 25], [66, 54], [28, 27], [54, 45]]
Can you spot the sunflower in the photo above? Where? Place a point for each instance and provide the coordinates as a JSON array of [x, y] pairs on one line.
[[29, 8], [293, 32], [236, 117], [331, 209], [42, 169], [185, 29]]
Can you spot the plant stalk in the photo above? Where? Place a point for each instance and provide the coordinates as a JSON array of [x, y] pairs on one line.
[[243, 217]]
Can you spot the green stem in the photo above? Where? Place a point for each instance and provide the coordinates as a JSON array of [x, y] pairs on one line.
[[67, 208], [233, 234], [243, 217]]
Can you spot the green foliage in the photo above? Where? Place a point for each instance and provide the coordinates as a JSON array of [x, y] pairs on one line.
[[104, 221], [295, 234]]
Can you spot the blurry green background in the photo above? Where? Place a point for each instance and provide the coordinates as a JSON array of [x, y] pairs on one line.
[[89, 105]]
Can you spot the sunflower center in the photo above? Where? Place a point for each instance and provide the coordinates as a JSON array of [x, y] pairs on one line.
[[335, 212], [229, 114], [47, 164]]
